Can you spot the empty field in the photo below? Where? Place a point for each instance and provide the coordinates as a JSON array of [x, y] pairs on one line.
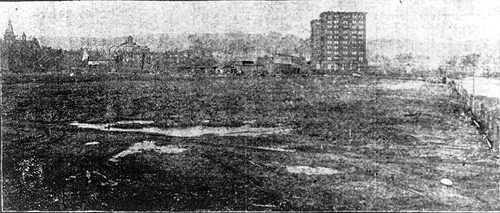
[[318, 143]]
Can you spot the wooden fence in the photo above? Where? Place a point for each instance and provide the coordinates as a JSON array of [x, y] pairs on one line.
[[487, 118]]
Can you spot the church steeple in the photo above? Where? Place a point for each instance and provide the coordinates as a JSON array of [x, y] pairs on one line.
[[35, 42], [9, 35]]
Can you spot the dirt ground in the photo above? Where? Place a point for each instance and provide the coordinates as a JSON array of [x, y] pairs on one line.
[[354, 144]]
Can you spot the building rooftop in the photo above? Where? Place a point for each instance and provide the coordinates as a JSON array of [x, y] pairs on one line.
[[343, 12], [130, 46]]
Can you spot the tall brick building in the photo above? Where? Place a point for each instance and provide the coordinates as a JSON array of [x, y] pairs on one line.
[[338, 41]]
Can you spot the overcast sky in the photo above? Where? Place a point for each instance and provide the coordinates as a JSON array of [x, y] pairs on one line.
[[439, 20]]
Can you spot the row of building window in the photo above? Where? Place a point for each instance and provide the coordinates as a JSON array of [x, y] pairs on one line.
[[335, 40], [327, 49], [345, 53], [344, 30], [339, 32], [332, 37], [335, 47], [356, 16], [339, 41], [353, 47], [344, 58], [345, 22], [345, 26], [344, 43], [336, 37]]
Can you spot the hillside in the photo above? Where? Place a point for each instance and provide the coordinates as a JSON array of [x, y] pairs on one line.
[[237, 43], [240, 44]]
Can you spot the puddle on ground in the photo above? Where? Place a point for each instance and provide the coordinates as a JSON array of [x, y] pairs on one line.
[[147, 145], [312, 171], [188, 131]]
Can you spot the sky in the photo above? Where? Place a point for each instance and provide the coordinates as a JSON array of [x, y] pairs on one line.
[[436, 20]]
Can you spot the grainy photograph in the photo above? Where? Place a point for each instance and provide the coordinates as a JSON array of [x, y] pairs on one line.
[[359, 105]]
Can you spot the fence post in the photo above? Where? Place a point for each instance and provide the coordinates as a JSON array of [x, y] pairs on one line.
[[488, 121], [482, 113], [473, 88], [496, 139]]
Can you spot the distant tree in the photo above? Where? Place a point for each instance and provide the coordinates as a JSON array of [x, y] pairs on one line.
[[35, 42], [471, 60], [50, 59], [453, 61], [404, 58]]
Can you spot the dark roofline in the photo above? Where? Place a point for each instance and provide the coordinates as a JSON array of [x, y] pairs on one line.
[[133, 43], [278, 54], [344, 12]]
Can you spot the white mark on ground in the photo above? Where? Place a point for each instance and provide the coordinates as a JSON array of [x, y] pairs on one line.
[[249, 122], [191, 131], [135, 122], [278, 149], [147, 145], [446, 182], [92, 143], [312, 171]]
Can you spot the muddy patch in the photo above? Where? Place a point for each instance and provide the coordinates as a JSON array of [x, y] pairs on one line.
[[195, 131], [312, 171], [145, 146]]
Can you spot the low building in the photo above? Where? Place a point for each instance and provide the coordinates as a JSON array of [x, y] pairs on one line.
[[130, 55], [189, 60], [244, 67], [282, 64]]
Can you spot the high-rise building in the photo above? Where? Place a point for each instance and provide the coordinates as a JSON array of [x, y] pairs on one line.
[[338, 41]]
